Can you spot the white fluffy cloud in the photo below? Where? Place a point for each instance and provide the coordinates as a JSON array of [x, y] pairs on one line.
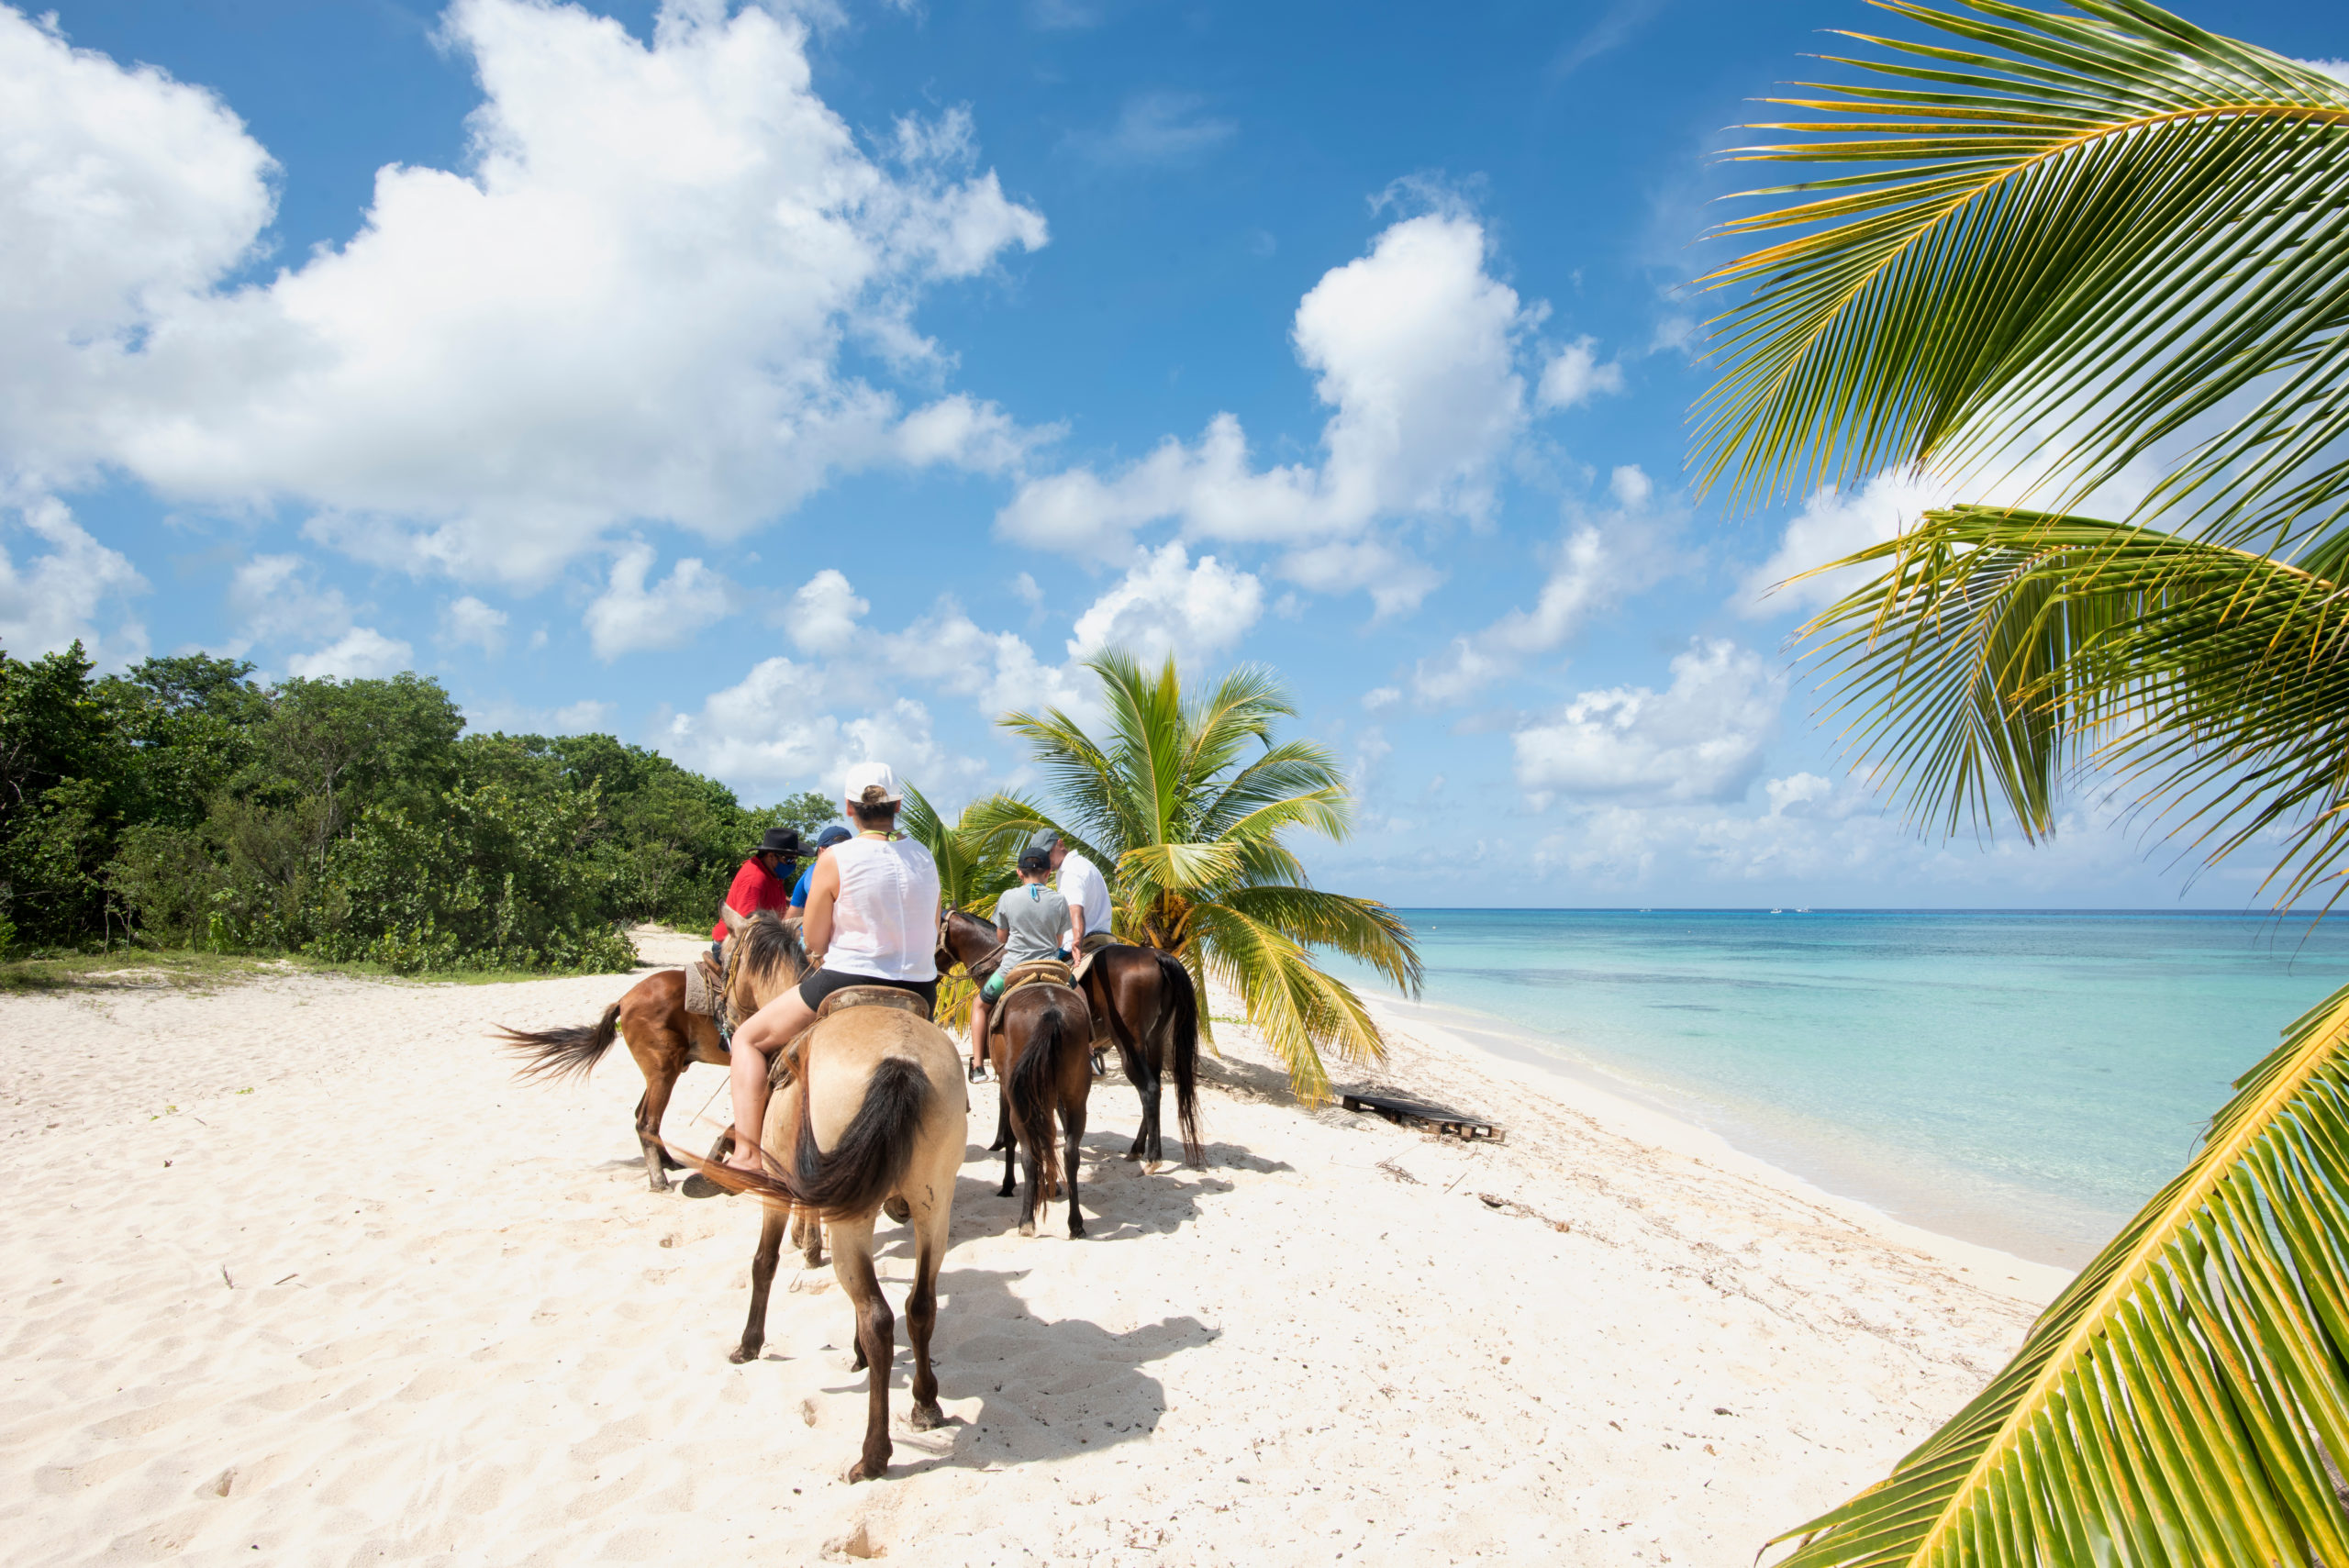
[[1832, 524], [631, 305], [629, 615], [54, 599], [1413, 345], [1700, 739], [822, 617], [1574, 376], [468, 623], [274, 599], [1167, 605], [773, 729], [360, 653], [1602, 558]]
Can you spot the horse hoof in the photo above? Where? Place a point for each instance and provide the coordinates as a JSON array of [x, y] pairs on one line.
[[1004, 1191], [865, 1470], [1026, 1228], [742, 1353], [924, 1417], [1076, 1230], [899, 1209], [660, 1183]]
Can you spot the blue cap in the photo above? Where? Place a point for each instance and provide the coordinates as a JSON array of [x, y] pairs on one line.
[[835, 834]]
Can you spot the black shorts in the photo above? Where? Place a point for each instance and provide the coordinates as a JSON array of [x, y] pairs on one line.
[[824, 981]]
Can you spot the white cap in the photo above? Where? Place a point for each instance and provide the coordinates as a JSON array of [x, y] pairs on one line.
[[862, 776]]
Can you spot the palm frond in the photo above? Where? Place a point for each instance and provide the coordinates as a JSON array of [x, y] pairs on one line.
[[2185, 1399], [1998, 650], [2112, 225], [1361, 928], [1300, 1011]]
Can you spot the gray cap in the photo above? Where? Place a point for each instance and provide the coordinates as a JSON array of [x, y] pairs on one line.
[[1043, 839]]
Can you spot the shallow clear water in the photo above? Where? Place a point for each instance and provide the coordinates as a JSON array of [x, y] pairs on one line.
[[2024, 1079]]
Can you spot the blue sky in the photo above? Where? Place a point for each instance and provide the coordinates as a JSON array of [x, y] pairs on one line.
[[777, 386]]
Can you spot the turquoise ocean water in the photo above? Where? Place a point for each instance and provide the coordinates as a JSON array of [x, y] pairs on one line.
[[2023, 1079]]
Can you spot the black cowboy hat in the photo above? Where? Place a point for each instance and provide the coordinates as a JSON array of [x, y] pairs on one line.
[[784, 842]]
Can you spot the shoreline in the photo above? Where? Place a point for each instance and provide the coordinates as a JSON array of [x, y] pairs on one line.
[[1520, 1055]]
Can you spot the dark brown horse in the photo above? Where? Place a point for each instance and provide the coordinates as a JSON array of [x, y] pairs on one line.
[[1146, 999], [662, 1037], [1039, 1038]]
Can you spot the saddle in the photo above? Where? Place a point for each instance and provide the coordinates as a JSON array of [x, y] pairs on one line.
[[704, 985], [786, 1064], [1035, 971], [1086, 949]]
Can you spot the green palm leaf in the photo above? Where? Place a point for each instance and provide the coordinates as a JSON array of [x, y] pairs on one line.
[[2180, 1401], [2002, 649], [2112, 226]]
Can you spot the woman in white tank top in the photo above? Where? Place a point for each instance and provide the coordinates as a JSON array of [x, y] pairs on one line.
[[872, 920]]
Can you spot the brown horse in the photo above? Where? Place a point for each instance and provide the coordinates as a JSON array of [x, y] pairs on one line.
[[662, 1037], [1039, 1037], [873, 1112], [1146, 998]]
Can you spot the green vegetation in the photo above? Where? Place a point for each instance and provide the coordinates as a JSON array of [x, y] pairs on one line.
[[182, 806], [1183, 807], [2069, 244]]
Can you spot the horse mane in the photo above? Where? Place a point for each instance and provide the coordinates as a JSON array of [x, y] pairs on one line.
[[768, 946], [982, 968]]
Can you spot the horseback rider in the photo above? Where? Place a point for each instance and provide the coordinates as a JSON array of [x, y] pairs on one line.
[[763, 882], [1036, 923], [832, 834], [872, 920], [1081, 883]]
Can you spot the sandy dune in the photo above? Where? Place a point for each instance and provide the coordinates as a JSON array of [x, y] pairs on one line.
[[359, 1298]]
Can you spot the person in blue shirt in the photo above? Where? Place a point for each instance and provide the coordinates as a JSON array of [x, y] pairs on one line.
[[835, 834]]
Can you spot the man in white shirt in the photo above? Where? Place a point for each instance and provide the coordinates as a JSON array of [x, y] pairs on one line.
[[1081, 885], [1080, 882]]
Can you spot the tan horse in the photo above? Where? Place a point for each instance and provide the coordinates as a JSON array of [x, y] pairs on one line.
[[872, 1111]]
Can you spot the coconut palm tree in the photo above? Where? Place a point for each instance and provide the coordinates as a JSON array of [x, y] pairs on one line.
[[1184, 805], [2050, 249]]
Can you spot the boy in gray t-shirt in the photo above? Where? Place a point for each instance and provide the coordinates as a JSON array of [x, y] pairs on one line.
[[1034, 921]]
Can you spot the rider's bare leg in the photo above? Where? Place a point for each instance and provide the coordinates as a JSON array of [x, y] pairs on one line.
[[763, 1034], [978, 1033]]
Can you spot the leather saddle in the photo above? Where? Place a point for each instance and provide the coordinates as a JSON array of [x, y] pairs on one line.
[[785, 1065]]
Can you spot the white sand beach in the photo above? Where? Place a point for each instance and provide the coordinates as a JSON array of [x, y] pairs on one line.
[[297, 1274]]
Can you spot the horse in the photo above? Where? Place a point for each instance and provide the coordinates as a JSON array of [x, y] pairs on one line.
[[873, 1111], [1146, 998], [1046, 1067], [662, 1037]]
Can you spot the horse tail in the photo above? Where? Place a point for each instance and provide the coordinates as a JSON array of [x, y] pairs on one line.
[[874, 1150], [863, 1168], [1181, 1019], [1032, 1089], [556, 1054]]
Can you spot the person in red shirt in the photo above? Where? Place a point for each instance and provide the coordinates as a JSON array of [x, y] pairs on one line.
[[764, 881]]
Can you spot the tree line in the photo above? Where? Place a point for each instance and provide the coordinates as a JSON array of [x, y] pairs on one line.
[[183, 804]]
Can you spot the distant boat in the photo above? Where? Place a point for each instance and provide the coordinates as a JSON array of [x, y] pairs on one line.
[[1778, 911]]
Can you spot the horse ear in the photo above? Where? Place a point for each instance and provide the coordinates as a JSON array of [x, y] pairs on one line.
[[734, 923]]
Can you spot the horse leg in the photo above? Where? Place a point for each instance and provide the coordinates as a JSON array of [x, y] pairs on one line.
[[1009, 1142], [660, 1083], [1145, 1073], [1033, 1201], [876, 1340], [754, 1331], [1072, 1117], [921, 1315], [807, 1235]]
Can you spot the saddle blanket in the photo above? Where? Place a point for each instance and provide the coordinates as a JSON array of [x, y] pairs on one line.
[[1087, 948], [703, 986]]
